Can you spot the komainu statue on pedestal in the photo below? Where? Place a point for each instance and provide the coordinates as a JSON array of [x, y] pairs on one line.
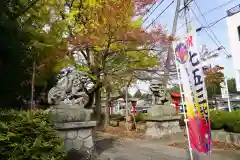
[[68, 98], [158, 92], [160, 100]]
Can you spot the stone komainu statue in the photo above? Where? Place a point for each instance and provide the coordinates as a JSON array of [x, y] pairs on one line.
[[69, 89], [158, 90]]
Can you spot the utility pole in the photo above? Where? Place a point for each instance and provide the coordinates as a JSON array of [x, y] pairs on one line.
[[126, 106], [170, 51], [186, 15]]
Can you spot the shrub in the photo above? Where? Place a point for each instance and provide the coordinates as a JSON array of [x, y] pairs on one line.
[[232, 122], [217, 119], [139, 117], [28, 135]]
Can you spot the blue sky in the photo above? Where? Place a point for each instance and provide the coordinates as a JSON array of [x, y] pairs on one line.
[[220, 29]]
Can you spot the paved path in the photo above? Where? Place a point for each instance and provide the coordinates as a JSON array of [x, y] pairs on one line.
[[123, 149]]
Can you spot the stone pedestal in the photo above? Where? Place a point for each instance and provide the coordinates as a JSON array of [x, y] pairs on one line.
[[157, 127], [77, 135], [73, 124], [161, 110], [69, 113]]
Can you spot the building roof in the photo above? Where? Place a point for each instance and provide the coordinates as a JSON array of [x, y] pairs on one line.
[[175, 94], [233, 10]]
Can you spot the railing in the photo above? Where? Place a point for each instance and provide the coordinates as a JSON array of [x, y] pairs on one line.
[[233, 10]]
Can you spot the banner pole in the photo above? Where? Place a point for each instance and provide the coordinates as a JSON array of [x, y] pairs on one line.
[[184, 108], [210, 149]]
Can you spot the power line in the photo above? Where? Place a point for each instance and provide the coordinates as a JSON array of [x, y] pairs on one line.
[[211, 10], [152, 6], [211, 24], [226, 52], [214, 23], [207, 32], [218, 7], [185, 5], [159, 15], [152, 10], [149, 10]]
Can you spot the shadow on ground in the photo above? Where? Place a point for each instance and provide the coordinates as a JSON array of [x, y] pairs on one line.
[[105, 143]]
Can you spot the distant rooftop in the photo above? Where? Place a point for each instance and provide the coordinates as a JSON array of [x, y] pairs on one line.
[[233, 10]]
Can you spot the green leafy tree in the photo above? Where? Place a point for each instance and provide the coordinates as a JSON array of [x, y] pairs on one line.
[[213, 78], [111, 43], [174, 89], [26, 44], [232, 85], [137, 94]]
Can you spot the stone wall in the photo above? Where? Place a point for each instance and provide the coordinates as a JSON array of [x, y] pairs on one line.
[[227, 137], [223, 136]]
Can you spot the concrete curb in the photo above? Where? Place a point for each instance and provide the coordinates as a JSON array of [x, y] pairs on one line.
[[227, 137]]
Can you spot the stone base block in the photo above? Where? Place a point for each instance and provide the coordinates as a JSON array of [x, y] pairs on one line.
[[162, 110], [162, 127], [77, 135]]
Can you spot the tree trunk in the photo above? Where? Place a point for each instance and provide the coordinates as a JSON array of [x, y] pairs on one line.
[[107, 109], [98, 102], [32, 85], [90, 101]]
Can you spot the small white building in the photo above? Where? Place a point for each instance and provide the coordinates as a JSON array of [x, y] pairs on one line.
[[233, 23]]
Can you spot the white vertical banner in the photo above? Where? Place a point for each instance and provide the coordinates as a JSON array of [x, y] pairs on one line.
[[192, 78], [180, 53]]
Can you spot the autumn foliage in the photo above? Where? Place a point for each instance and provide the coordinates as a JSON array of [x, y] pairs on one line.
[[117, 22], [213, 78]]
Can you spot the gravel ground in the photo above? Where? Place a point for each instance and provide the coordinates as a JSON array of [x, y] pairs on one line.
[[115, 144]]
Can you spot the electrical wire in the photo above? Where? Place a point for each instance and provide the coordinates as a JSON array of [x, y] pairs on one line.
[[152, 6], [211, 10], [218, 7], [152, 10], [205, 30], [159, 15], [149, 10], [215, 22], [214, 35]]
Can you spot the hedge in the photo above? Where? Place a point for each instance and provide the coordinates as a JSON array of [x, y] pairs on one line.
[[217, 118], [139, 117], [229, 121], [28, 135]]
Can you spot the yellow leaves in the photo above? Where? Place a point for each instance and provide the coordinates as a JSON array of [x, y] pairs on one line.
[[92, 3], [79, 28], [72, 14], [142, 59], [137, 22], [63, 63], [86, 70]]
